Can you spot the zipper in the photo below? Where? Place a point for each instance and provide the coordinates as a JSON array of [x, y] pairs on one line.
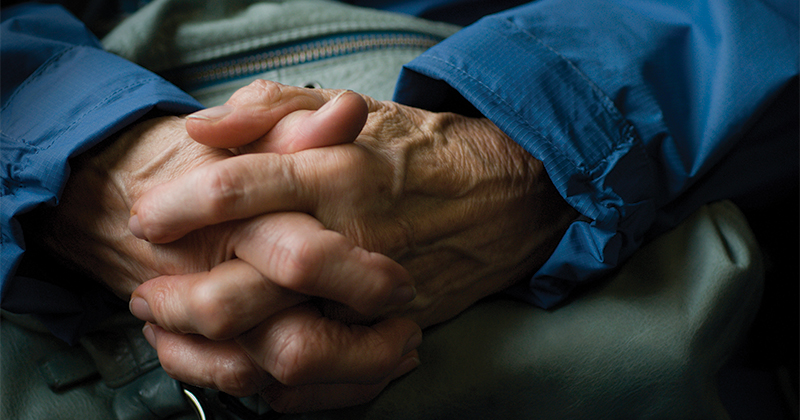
[[212, 72]]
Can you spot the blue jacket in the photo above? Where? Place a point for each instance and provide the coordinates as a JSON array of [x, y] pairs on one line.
[[640, 110]]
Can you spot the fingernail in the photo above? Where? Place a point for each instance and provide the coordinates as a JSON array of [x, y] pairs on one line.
[[149, 335], [403, 294], [140, 309], [135, 227], [212, 114], [330, 104], [406, 366], [413, 342]]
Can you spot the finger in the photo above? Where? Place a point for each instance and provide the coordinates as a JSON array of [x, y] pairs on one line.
[[250, 113], [235, 188], [244, 186], [195, 360], [338, 121], [295, 251], [304, 398], [219, 304], [284, 118], [300, 347], [281, 258]]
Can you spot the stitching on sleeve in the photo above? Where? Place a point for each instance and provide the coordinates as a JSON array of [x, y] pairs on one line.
[[99, 104], [46, 65]]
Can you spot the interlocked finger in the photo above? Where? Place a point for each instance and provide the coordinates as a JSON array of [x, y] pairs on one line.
[[299, 346], [198, 361], [219, 304], [295, 251]]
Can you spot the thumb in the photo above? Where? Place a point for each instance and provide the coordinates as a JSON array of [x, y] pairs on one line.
[[268, 116], [339, 121]]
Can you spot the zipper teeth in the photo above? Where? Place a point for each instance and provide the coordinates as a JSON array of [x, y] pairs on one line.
[[305, 52]]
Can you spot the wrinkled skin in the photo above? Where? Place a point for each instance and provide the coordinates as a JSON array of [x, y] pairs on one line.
[[275, 343], [303, 194], [461, 206]]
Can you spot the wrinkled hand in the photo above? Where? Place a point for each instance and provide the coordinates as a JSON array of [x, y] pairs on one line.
[[261, 327], [461, 206]]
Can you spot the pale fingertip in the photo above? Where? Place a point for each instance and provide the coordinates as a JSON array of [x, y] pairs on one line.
[[332, 103], [406, 365], [141, 309], [335, 100], [149, 335], [211, 114], [402, 295], [413, 342], [136, 227]]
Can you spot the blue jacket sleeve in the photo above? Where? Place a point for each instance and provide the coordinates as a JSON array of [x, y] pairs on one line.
[[634, 107], [61, 95]]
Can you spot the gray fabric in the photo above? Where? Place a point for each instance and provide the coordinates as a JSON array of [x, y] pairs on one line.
[[336, 73], [39, 382], [172, 33]]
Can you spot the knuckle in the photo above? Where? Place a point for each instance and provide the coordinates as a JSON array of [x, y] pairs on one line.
[[301, 263], [295, 357], [210, 311], [147, 215], [260, 84], [171, 364], [224, 189], [163, 307], [290, 180], [258, 91], [385, 360], [377, 278], [238, 380]]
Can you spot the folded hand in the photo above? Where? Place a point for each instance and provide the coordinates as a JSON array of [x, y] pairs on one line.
[[226, 320], [455, 201]]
